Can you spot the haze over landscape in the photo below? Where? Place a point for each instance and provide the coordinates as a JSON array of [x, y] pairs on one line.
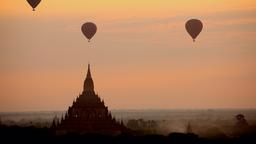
[[141, 56]]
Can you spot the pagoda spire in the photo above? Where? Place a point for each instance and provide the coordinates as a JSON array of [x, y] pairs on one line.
[[89, 72], [88, 82]]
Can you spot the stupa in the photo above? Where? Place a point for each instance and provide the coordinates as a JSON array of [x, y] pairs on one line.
[[88, 114]]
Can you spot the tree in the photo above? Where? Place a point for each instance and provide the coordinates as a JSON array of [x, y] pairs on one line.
[[241, 121]]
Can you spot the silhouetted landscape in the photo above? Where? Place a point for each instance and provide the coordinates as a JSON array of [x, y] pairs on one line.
[[89, 120], [147, 126]]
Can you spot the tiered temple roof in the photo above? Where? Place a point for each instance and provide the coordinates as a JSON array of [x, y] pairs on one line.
[[88, 114]]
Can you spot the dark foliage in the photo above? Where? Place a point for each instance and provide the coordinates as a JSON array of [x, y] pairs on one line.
[[15, 134]]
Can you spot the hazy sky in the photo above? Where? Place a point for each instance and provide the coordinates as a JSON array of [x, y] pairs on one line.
[[141, 55]]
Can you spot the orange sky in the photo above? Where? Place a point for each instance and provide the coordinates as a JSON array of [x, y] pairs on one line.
[[141, 56]]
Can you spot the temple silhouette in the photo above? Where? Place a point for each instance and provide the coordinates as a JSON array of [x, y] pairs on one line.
[[88, 114]]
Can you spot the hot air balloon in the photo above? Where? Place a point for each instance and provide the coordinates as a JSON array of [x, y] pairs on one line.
[[33, 3], [89, 29], [194, 27]]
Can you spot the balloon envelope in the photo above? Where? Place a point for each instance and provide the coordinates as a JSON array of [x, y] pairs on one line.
[[89, 29], [33, 3], [194, 27]]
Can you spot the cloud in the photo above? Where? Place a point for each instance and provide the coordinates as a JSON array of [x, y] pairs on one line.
[[243, 19]]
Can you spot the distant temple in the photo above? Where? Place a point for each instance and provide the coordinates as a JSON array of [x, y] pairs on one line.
[[88, 114]]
